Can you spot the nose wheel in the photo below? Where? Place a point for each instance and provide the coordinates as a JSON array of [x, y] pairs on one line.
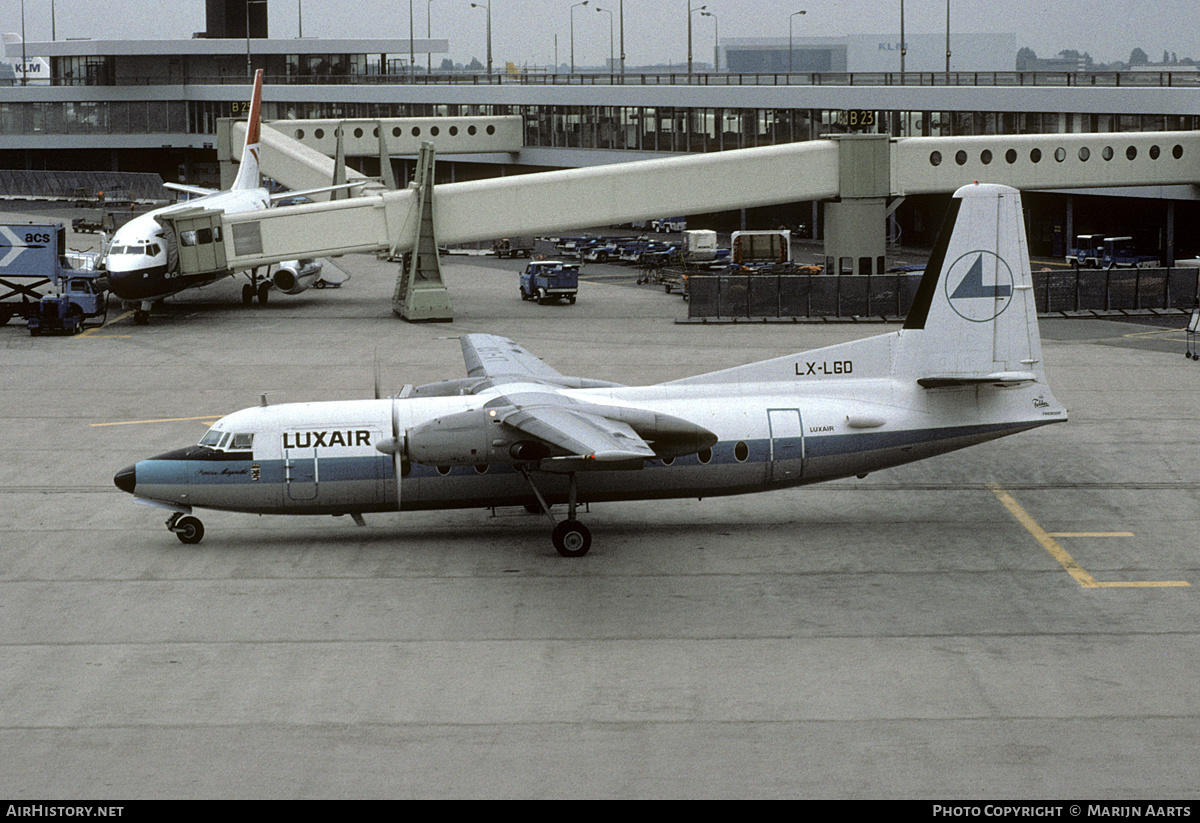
[[188, 529]]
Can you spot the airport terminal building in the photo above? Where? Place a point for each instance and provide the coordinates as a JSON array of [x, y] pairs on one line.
[[154, 106]]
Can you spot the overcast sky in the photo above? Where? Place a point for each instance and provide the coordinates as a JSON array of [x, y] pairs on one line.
[[524, 31]]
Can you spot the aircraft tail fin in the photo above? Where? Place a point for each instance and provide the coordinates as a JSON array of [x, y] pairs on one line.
[[974, 319], [248, 173]]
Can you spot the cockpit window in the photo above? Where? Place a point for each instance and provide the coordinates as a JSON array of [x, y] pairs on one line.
[[211, 438], [215, 439]]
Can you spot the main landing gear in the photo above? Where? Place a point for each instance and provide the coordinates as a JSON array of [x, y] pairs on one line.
[[259, 287], [570, 537], [187, 528]]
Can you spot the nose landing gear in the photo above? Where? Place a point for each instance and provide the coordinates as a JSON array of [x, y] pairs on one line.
[[187, 528]]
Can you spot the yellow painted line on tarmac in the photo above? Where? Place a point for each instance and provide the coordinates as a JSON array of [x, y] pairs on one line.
[[1090, 534], [212, 417], [1046, 539], [1155, 332]]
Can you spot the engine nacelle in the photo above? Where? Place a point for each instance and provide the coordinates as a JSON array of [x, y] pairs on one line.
[[471, 438], [294, 276]]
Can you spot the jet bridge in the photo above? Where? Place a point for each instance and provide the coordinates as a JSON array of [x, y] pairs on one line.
[[863, 176]]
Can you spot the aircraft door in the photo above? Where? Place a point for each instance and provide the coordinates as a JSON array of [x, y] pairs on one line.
[[300, 473], [786, 458]]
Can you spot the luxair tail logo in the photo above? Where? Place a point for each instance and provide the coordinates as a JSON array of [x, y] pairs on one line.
[[979, 286]]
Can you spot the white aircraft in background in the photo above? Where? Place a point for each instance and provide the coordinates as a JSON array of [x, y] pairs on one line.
[[142, 261], [965, 368]]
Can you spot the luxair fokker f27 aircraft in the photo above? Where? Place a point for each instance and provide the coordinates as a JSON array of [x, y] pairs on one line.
[[965, 368], [142, 260]]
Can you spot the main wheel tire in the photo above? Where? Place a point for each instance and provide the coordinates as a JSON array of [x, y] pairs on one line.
[[189, 530], [571, 538], [264, 289], [247, 294]]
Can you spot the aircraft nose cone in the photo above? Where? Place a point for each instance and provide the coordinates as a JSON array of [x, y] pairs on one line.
[[126, 479]]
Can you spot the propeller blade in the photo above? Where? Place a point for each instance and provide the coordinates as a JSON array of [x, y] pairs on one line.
[[398, 454], [377, 375]]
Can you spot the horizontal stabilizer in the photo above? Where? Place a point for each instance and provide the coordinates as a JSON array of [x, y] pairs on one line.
[[199, 191], [1001, 378]]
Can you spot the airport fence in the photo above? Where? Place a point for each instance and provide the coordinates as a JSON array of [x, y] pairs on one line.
[[81, 187], [757, 296]]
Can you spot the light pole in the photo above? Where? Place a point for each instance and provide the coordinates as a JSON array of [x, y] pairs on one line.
[[487, 6], [691, 10], [621, 12], [903, 45], [24, 56], [577, 5], [716, 39], [249, 3], [611, 66], [428, 36], [412, 53], [947, 42], [300, 19], [792, 16]]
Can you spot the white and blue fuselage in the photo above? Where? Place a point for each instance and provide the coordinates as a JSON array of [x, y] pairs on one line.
[[321, 458]]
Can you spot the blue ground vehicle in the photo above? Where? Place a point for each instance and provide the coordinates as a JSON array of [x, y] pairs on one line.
[[1087, 252], [39, 283], [546, 280], [1122, 252]]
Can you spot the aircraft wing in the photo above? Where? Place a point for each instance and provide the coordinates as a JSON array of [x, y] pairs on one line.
[[490, 356], [578, 430]]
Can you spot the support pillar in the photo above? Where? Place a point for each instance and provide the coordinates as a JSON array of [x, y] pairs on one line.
[[339, 165], [385, 159], [856, 223], [420, 294]]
